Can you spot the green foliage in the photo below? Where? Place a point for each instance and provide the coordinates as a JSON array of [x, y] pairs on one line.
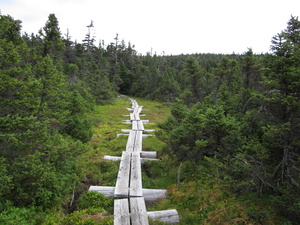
[[10, 29], [53, 43], [79, 128], [203, 131], [89, 216], [53, 93], [168, 89], [93, 199], [5, 179], [24, 216]]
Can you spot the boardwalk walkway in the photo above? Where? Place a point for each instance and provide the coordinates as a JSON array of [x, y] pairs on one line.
[[130, 197]]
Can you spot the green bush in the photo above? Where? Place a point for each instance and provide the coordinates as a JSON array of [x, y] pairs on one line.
[[79, 128], [89, 216], [14, 215], [92, 199]]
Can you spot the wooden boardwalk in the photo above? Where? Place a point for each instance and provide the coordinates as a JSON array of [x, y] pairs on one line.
[[130, 197]]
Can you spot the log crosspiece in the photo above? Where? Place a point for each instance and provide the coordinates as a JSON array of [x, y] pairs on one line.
[[131, 207]]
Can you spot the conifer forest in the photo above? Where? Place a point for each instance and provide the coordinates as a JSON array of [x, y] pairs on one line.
[[227, 127]]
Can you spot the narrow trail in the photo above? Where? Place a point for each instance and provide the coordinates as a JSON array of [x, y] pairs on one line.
[[130, 197]]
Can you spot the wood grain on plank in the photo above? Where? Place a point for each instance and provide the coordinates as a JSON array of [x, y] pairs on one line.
[[121, 212], [135, 176], [138, 212], [130, 141], [138, 141], [122, 183]]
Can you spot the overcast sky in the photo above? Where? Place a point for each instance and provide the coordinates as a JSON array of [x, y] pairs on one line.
[[169, 26]]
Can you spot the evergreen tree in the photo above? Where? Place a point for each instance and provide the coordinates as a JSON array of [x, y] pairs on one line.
[[89, 40], [168, 89], [54, 105], [53, 43], [198, 82], [10, 29]]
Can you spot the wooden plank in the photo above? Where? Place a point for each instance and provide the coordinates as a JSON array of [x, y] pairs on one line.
[[140, 125], [121, 212], [132, 117], [134, 103], [137, 116], [138, 212], [166, 216], [134, 125], [138, 141], [136, 110], [122, 183], [135, 176], [130, 141]]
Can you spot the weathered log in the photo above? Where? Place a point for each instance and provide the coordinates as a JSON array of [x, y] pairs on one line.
[[126, 130], [165, 216], [149, 130], [118, 158], [107, 191], [149, 154], [150, 195], [112, 158], [118, 135], [143, 160], [147, 135]]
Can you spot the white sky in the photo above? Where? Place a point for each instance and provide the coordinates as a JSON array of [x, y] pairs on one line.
[[169, 26]]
